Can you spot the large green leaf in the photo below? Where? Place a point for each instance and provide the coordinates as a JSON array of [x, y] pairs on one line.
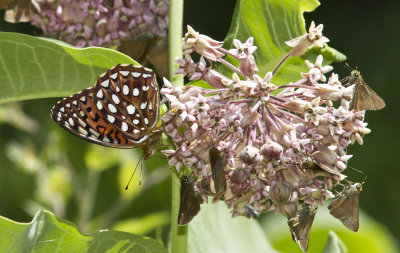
[[47, 233], [214, 230], [271, 23], [33, 67]]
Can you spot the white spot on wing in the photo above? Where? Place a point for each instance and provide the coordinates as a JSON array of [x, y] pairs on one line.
[[124, 127], [99, 93], [135, 74], [75, 102], [110, 118], [99, 105], [68, 105], [62, 109], [105, 83], [82, 122], [143, 105], [114, 76], [135, 131], [146, 121], [112, 108], [135, 121], [117, 89], [124, 73], [145, 87], [71, 121], [82, 131], [83, 99], [125, 90], [142, 139], [135, 92], [115, 98], [94, 132], [131, 109], [105, 139]]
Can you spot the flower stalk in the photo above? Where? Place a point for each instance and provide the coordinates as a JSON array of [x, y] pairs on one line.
[[178, 233]]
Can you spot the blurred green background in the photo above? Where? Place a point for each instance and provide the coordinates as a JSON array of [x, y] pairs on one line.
[[44, 167]]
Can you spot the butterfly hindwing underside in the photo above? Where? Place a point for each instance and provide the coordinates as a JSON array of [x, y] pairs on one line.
[[120, 111]]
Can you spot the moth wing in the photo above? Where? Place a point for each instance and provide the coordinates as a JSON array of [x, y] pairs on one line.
[[366, 99], [218, 163], [345, 208], [190, 201], [300, 226]]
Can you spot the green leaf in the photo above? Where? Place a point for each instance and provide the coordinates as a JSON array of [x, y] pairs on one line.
[[214, 230], [32, 67], [271, 23], [47, 233], [334, 244], [370, 238]]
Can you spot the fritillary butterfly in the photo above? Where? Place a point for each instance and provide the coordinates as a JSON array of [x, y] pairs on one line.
[[120, 111]]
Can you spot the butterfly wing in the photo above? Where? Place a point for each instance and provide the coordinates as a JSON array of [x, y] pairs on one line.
[[190, 201], [121, 111], [300, 225], [365, 98], [78, 115], [128, 97], [218, 163], [345, 208]]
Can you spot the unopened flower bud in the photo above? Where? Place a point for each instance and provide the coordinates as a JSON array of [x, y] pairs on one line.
[[250, 155], [239, 181], [289, 209], [280, 193], [271, 150]]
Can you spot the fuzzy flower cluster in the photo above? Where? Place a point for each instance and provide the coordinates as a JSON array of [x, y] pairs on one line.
[[101, 22], [284, 145]]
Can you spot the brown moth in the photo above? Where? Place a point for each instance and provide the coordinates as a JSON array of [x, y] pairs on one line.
[[345, 207], [364, 98], [190, 201], [300, 225], [218, 163]]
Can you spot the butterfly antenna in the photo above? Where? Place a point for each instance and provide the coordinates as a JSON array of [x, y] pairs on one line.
[[356, 170], [141, 171], [127, 185], [348, 67]]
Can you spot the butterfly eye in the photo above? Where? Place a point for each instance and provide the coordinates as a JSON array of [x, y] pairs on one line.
[[356, 75]]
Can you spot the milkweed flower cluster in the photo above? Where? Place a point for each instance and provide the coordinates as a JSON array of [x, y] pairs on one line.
[[284, 143], [101, 22]]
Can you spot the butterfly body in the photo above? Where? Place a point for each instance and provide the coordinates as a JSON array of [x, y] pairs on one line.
[[120, 111]]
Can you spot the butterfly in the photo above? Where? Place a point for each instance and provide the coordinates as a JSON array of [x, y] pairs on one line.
[[345, 207], [218, 164], [191, 200], [364, 98], [120, 111], [300, 225]]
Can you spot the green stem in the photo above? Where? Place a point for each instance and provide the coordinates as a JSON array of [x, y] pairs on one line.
[[178, 234]]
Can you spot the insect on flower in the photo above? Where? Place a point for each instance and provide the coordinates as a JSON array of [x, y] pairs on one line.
[[345, 207], [364, 98], [190, 201], [120, 111], [300, 225]]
